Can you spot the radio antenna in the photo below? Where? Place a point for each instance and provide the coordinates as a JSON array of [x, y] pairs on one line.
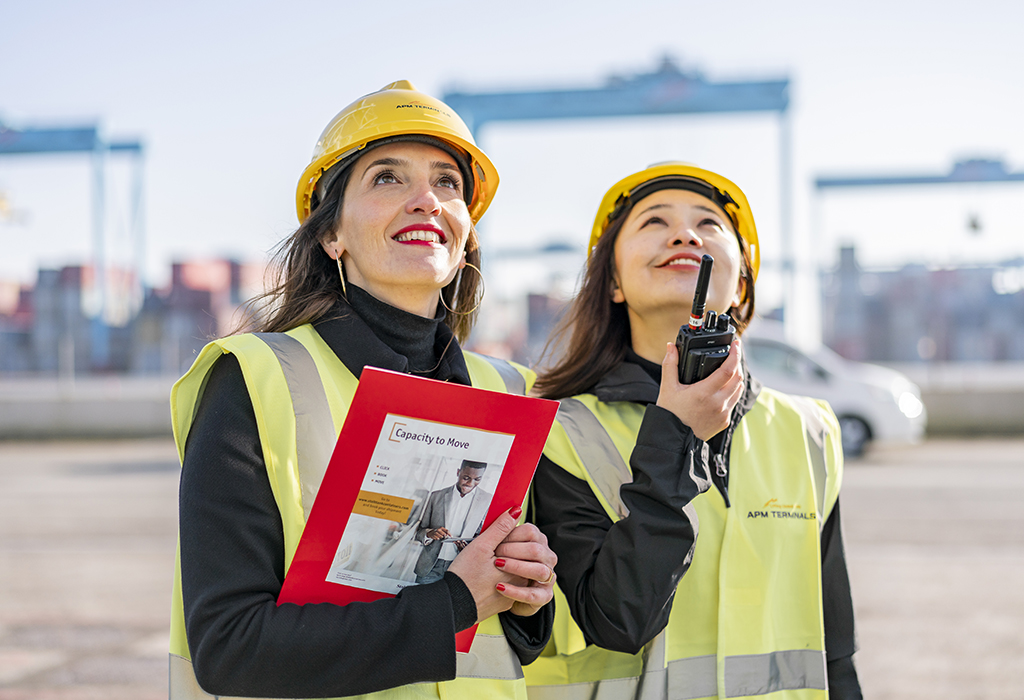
[[700, 294]]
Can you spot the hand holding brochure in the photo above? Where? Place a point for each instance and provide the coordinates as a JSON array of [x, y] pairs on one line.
[[413, 454]]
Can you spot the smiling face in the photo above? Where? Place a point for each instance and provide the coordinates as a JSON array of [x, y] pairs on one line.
[[469, 479], [403, 225], [657, 255]]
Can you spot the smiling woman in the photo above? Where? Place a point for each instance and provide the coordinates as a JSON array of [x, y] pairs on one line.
[[404, 225], [756, 605], [652, 279], [394, 149], [383, 271]]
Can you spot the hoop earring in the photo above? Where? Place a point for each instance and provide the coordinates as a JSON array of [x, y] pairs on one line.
[[341, 274], [482, 286]]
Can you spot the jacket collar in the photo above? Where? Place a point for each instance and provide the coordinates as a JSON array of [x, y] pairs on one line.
[[356, 345]]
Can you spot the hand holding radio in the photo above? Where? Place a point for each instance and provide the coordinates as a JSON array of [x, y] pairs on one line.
[[699, 396], [703, 343], [704, 407]]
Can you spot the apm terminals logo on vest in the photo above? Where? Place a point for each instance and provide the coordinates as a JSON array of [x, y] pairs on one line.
[[774, 509]]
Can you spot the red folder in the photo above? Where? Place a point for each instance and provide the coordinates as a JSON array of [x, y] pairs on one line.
[[380, 393]]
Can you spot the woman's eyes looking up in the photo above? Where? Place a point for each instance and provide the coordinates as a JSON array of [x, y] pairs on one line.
[[703, 225], [389, 177]]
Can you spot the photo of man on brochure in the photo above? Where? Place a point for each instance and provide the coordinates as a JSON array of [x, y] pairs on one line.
[[424, 497], [453, 516]]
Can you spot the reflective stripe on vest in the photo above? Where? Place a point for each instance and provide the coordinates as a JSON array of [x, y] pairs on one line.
[[760, 674], [491, 659], [694, 678], [816, 431], [597, 673], [314, 429], [595, 447], [682, 679], [515, 382]]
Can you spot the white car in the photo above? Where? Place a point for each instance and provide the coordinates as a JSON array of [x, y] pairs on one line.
[[873, 404]]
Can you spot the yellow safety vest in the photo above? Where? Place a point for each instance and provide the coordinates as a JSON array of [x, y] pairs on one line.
[[746, 620], [300, 393]]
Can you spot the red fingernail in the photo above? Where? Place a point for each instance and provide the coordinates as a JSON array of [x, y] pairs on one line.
[[516, 512], [500, 587], [499, 563]]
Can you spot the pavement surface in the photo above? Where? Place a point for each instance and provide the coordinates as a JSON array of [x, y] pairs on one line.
[[935, 546], [934, 538], [87, 541]]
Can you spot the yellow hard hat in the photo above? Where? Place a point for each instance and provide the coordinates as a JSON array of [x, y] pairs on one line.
[[397, 109], [679, 175]]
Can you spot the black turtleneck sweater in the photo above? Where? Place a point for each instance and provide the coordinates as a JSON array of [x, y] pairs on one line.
[[232, 545]]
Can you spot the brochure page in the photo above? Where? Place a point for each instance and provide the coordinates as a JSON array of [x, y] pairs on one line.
[[426, 493]]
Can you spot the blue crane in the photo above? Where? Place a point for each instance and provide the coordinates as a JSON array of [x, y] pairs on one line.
[[87, 140], [668, 90]]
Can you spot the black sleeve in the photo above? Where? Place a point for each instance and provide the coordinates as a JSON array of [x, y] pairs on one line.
[[529, 635], [232, 569], [837, 607], [620, 578]]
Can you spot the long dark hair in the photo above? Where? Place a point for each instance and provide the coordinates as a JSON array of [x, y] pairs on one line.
[[303, 284], [594, 334]]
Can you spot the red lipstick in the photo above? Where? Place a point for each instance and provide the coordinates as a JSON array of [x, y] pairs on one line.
[[431, 228]]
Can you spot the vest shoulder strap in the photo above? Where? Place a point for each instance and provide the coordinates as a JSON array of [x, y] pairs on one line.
[[824, 450], [188, 391], [314, 429], [593, 440], [291, 407], [495, 374]]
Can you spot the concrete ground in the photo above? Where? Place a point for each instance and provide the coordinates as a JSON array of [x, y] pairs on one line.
[[934, 536], [935, 544], [87, 540]]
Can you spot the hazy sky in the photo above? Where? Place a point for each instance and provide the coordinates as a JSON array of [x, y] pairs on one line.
[[229, 99]]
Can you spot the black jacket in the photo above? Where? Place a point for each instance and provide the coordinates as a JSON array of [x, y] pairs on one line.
[[619, 591], [232, 552]]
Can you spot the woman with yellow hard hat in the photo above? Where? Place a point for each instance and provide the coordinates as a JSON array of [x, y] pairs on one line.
[[383, 271], [759, 603]]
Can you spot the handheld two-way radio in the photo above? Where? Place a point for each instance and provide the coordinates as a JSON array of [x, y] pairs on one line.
[[703, 343]]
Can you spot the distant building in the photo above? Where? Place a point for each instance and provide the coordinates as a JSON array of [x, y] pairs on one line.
[[917, 314], [200, 304], [45, 328], [60, 333], [15, 327], [527, 293]]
